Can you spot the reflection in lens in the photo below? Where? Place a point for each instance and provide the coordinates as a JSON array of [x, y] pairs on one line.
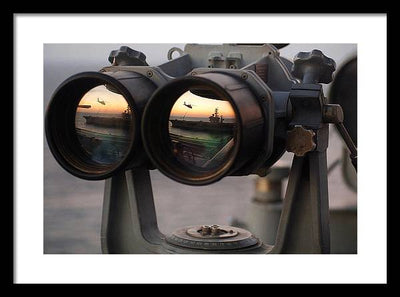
[[102, 123], [201, 131]]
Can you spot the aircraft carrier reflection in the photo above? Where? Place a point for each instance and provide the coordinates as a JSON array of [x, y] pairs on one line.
[[105, 138], [202, 143]]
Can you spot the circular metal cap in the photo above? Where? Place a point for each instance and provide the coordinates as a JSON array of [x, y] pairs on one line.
[[212, 237]]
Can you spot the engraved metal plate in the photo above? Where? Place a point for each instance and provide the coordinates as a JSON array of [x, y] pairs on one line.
[[213, 237]]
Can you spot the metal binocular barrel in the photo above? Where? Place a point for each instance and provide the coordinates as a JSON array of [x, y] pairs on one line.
[[93, 123], [213, 111]]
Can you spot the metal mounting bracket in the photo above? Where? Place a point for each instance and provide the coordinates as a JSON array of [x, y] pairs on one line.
[[304, 222], [129, 222]]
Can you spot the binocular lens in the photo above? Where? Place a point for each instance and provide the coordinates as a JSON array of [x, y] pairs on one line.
[[201, 131], [102, 123], [92, 123], [198, 129]]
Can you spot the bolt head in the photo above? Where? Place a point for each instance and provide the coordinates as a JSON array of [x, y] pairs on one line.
[[205, 230]]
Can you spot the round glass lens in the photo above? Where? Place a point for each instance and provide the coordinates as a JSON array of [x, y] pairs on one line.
[[102, 123], [202, 130]]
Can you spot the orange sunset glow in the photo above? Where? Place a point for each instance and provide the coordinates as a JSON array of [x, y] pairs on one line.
[[102, 100], [201, 106]]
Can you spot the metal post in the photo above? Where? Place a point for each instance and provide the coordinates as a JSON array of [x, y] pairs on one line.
[[304, 223], [129, 223]]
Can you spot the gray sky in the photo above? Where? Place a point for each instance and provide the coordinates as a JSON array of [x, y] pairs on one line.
[[64, 60], [98, 53], [157, 53]]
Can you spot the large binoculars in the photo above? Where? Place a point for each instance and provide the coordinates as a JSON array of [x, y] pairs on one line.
[[211, 112]]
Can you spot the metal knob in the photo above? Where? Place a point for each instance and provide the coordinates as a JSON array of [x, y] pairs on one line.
[[313, 67], [300, 141], [126, 56]]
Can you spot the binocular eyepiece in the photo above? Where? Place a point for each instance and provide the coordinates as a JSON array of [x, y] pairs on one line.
[[93, 123], [225, 132], [212, 112]]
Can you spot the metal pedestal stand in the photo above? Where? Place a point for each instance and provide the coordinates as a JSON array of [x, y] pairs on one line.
[[304, 223], [129, 219], [129, 223]]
